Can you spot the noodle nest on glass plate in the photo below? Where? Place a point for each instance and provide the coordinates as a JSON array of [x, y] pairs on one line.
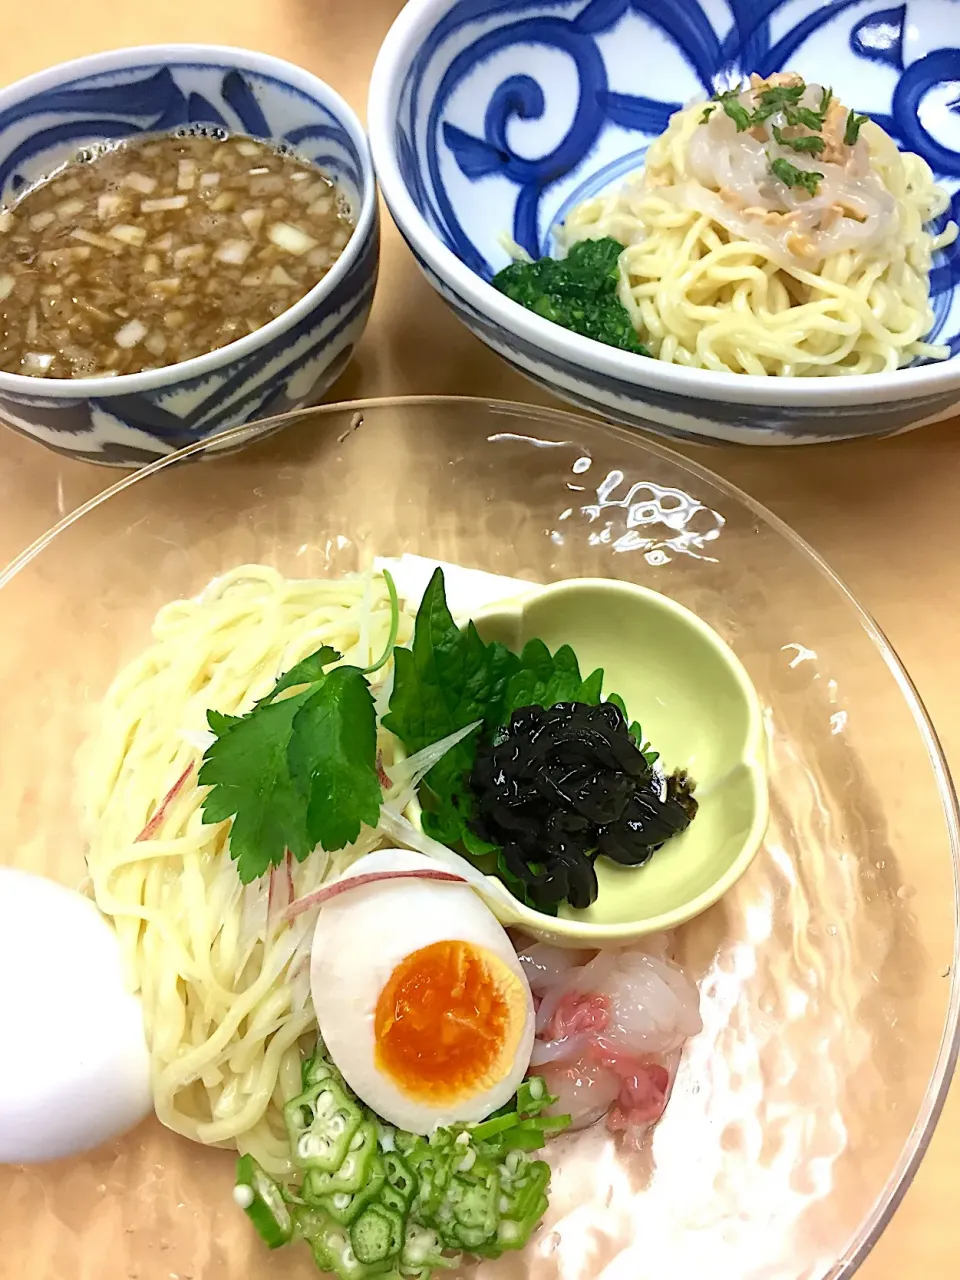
[[223, 973]]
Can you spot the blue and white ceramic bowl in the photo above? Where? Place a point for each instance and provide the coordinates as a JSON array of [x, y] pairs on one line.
[[492, 118], [292, 360]]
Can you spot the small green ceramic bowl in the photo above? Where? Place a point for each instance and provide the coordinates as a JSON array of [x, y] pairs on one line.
[[697, 707]]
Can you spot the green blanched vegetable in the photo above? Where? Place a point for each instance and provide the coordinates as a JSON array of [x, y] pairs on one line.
[[299, 772], [344, 1206], [377, 1235], [351, 1174], [322, 1123], [262, 1201], [578, 292], [381, 1202], [449, 679]]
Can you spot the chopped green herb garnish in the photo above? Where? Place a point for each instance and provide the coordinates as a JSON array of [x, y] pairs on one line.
[[805, 116], [377, 1201], [300, 771], [805, 143], [782, 95], [808, 179], [707, 113], [578, 292], [854, 124], [777, 100], [738, 113]]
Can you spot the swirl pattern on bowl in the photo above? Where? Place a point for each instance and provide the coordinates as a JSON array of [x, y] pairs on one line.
[[44, 122], [502, 117]]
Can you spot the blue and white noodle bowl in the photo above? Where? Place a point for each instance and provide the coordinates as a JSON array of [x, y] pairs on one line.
[[491, 119], [290, 362]]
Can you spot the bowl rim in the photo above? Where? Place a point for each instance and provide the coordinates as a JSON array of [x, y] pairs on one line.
[[210, 362], [921, 1131], [392, 63]]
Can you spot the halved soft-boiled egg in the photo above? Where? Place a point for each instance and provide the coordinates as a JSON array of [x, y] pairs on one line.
[[420, 997]]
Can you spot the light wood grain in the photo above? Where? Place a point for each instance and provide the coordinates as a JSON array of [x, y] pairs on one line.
[[884, 514]]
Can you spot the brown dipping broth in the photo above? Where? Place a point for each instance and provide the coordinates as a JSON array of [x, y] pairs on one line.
[[160, 249]]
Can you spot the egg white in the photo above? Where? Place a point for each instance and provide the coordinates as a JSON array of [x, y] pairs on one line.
[[74, 1068], [360, 938]]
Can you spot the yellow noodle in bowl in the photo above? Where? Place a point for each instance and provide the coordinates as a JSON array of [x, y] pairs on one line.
[[730, 269]]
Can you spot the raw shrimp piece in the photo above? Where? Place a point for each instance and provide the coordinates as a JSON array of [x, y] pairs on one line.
[[610, 1031]]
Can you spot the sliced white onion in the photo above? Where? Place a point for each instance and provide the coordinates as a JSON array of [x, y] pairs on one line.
[[130, 334], [128, 234], [151, 264], [279, 276], [162, 204], [40, 361], [41, 220], [109, 205], [6, 220], [316, 189], [88, 237], [252, 219], [235, 251], [290, 238], [189, 253], [7, 285], [140, 182], [155, 343], [164, 243], [253, 280], [416, 767], [168, 285], [260, 169], [405, 833], [209, 179], [225, 200], [186, 174], [69, 208], [248, 148]]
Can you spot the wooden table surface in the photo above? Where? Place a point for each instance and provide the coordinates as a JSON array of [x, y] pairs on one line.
[[884, 514]]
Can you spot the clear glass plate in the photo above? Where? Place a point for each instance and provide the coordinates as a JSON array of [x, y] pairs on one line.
[[827, 975]]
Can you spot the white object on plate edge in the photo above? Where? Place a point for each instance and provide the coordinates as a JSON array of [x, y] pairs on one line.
[[468, 590], [74, 1068]]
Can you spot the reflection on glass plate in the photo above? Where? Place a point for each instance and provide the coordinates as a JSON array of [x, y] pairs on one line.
[[826, 974]]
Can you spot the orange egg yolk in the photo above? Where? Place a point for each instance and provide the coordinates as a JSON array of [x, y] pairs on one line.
[[448, 1021]]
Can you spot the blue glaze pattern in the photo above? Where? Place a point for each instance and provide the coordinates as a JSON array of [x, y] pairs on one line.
[[510, 112], [41, 130]]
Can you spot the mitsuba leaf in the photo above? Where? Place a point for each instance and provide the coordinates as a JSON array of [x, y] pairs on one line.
[[249, 775], [332, 759], [307, 671], [297, 772]]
